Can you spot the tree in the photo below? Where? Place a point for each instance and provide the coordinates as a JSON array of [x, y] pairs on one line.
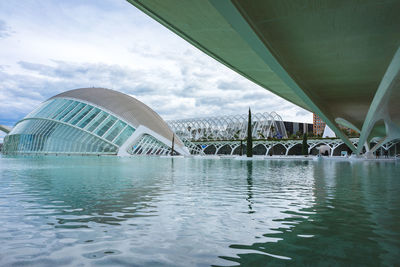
[[304, 147], [173, 142], [249, 146]]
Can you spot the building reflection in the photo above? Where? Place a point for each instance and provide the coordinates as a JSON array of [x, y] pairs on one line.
[[345, 195], [109, 193]]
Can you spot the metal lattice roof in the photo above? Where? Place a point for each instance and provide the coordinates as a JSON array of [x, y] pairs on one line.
[[128, 108]]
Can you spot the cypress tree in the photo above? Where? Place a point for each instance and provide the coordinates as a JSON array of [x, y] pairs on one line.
[[249, 147], [304, 147], [173, 143]]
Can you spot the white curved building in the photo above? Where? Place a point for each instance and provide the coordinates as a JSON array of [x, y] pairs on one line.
[[233, 127], [92, 121]]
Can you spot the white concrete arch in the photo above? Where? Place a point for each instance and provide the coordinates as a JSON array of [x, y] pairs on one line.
[[229, 127]]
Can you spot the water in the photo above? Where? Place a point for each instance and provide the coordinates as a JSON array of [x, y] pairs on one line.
[[110, 211]]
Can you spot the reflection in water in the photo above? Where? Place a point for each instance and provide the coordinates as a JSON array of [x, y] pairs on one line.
[[250, 184], [351, 222], [174, 211], [69, 194]]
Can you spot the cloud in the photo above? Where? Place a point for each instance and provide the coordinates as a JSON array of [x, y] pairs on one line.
[[171, 94], [229, 85], [302, 113], [63, 45], [4, 29]]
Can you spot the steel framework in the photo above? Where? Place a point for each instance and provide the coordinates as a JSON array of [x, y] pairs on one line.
[[148, 145], [233, 127], [91, 121]]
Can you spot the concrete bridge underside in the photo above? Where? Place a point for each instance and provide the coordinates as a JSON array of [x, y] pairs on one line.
[[339, 59]]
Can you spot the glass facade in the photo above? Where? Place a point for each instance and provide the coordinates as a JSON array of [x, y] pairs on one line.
[[148, 145], [67, 126]]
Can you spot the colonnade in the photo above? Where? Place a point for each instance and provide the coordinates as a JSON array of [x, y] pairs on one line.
[[277, 147]]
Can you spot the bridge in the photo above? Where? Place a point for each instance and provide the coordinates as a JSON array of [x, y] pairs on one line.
[[338, 59], [283, 147]]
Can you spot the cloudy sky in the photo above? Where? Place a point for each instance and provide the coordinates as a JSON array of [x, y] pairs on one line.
[[48, 46]]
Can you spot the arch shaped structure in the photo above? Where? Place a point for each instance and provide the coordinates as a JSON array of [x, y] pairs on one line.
[[338, 59], [282, 147], [232, 127], [92, 121]]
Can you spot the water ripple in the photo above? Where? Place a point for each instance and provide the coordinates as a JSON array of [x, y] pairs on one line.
[[183, 212]]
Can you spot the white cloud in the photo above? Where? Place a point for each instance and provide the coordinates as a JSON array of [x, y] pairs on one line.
[[4, 29], [61, 45]]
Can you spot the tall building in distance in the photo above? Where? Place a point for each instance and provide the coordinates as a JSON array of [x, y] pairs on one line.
[[318, 125]]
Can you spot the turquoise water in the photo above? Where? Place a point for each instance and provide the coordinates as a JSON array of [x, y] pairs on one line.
[[112, 211]]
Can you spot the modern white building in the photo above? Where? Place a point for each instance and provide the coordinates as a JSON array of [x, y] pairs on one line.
[[92, 121], [232, 127]]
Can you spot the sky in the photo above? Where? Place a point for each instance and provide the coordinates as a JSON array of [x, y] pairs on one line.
[[48, 46]]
